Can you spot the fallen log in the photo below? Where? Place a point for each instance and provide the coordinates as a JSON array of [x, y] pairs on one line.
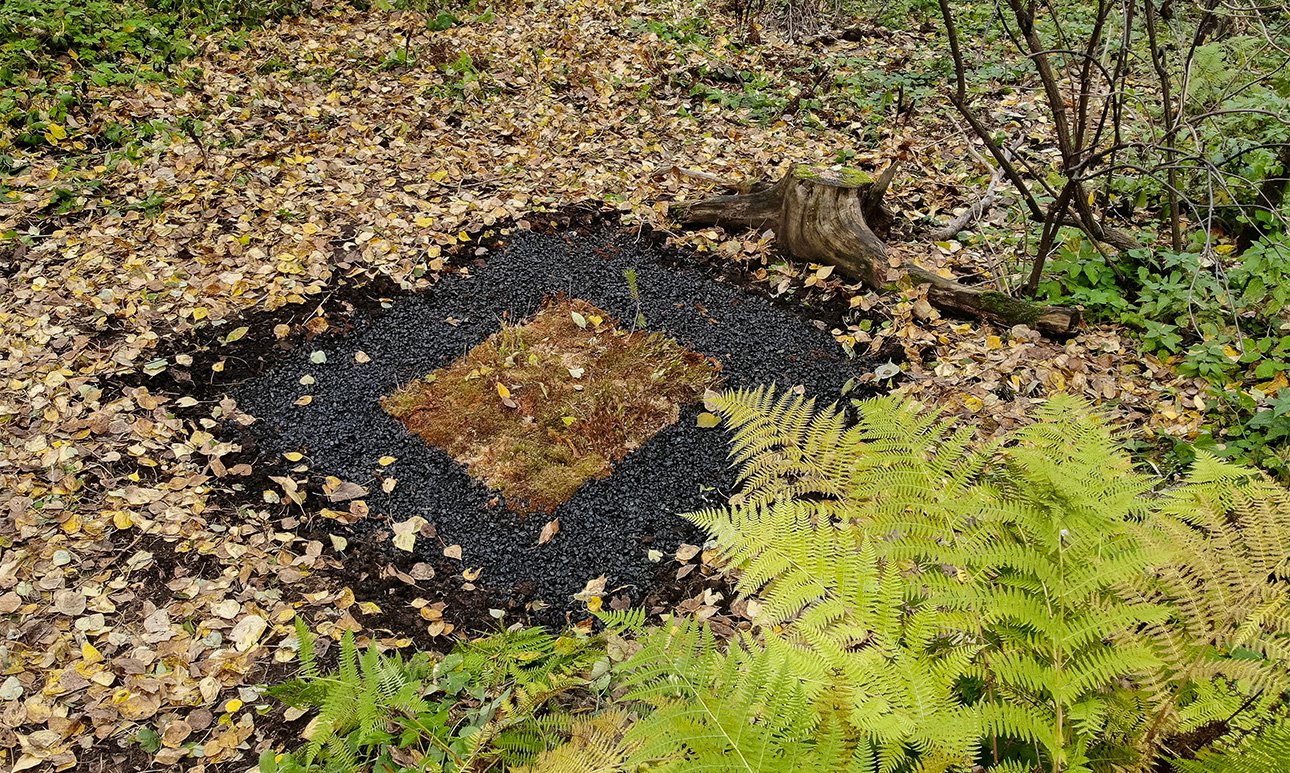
[[826, 216]]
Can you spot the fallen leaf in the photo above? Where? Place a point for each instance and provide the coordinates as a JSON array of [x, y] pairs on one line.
[[247, 632], [685, 552], [405, 532], [344, 491]]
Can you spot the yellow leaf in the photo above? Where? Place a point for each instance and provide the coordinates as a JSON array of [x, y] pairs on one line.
[[993, 342], [405, 533], [386, 461], [233, 705], [708, 420], [595, 320], [1231, 352], [423, 222], [236, 335], [305, 400], [594, 603], [568, 420], [57, 131], [122, 520], [293, 456], [90, 653], [1225, 249], [973, 403], [502, 391]]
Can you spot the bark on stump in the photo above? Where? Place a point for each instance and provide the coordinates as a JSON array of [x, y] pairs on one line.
[[829, 217]]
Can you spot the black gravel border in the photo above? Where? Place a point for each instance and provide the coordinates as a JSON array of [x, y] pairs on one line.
[[609, 526]]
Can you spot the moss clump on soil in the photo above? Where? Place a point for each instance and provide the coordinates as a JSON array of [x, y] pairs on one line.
[[539, 408]]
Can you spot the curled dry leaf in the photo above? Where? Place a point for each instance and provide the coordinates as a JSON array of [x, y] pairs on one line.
[[549, 530]]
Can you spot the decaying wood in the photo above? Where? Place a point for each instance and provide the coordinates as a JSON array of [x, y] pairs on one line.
[[830, 217]]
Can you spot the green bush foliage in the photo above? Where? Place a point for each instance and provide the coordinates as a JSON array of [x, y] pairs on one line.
[[53, 53], [1215, 316], [928, 602]]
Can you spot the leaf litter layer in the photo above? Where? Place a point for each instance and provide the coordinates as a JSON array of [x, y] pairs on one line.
[[541, 407], [319, 416]]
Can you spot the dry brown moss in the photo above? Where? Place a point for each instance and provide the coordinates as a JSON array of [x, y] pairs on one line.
[[540, 408]]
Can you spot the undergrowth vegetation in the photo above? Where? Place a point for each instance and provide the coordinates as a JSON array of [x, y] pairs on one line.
[[925, 601], [54, 54], [1212, 315]]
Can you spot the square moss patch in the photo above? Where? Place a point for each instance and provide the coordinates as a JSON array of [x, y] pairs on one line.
[[540, 408]]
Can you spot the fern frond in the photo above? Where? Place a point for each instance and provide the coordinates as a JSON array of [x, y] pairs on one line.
[[1266, 752], [597, 744], [305, 654]]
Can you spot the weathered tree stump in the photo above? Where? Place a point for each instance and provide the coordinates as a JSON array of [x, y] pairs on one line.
[[830, 217]]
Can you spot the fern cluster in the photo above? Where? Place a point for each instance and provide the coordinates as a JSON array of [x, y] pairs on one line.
[[1023, 605], [927, 603], [491, 703]]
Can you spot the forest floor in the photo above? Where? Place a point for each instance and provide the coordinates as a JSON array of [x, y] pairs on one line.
[[140, 611]]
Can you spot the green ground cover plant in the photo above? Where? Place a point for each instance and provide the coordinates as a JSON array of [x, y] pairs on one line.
[[1214, 315], [55, 53], [930, 602]]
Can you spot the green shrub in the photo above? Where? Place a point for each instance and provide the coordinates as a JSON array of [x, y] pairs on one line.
[[1217, 318], [52, 52]]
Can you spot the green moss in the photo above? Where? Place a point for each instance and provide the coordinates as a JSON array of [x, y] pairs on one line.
[[846, 176], [1006, 307]]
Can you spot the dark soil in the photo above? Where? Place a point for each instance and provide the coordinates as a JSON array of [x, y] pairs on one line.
[[609, 526]]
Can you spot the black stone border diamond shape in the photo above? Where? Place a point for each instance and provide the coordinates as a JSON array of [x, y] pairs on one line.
[[609, 526]]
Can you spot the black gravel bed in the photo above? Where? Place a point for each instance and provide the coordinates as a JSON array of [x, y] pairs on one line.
[[609, 526]]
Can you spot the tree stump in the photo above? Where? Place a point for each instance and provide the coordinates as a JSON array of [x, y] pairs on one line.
[[830, 217]]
